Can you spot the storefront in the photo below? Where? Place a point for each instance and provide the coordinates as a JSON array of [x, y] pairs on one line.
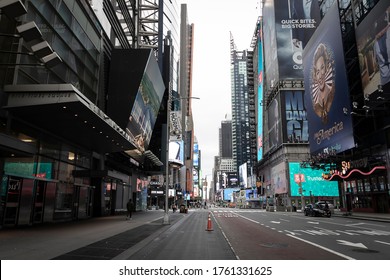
[[364, 190]]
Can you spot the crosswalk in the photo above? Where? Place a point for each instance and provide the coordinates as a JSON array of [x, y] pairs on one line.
[[315, 231]]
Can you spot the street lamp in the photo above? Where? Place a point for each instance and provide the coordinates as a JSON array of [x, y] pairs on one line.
[[170, 99]]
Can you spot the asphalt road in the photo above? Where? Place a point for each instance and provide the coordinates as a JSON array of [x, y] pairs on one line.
[[191, 238], [256, 234], [318, 237]]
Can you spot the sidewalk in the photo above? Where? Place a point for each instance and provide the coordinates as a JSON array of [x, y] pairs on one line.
[[380, 217], [62, 240]]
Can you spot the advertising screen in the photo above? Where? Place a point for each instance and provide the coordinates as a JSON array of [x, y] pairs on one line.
[[176, 152], [278, 179], [135, 90], [288, 26], [260, 93], [311, 181], [228, 193], [196, 155], [232, 179], [326, 88], [243, 169], [146, 106], [373, 42], [294, 118], [274, 122]]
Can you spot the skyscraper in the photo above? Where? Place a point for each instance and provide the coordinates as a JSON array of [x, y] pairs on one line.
[[225, 139], [240, 106]]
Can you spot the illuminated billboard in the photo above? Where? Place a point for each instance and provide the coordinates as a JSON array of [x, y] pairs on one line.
[[228, 194], [260, 92], [243, 173], [311, 181], [136, 90], [372, 36], [278, 178], [196, 155], [176, 152], [274, 122], [327, 98], [288, 26], [294, 117]]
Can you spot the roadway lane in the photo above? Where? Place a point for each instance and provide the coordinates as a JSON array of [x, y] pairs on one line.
[[187, 239], [350, 238], [252, 240]]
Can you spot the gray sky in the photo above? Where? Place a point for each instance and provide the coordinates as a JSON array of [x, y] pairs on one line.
[[214, 20]]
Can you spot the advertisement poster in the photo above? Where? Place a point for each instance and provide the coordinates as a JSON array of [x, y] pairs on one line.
[[326, 89], [312, 182], [295, 124], [288, 26], [373, 42], [278, 178]]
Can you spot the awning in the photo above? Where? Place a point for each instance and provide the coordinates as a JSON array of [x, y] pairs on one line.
[[62, 110]]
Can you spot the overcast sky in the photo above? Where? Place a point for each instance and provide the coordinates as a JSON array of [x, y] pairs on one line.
[[214, 20]]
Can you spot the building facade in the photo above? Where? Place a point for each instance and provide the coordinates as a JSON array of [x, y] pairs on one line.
[[65, 153], [329, 152], [240, 107]]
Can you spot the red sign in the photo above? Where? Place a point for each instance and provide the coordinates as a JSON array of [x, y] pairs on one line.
[[299, 178]]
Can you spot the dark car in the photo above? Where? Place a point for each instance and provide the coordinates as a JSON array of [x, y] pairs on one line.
[[316, 210], [308, 209]]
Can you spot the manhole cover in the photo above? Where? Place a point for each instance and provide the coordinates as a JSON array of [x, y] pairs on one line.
[[362, 250], [274, 245]]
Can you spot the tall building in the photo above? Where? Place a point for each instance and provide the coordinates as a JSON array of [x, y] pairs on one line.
[[225, 139], [80, 144], [240, 107], [318, 141], [185, 90]]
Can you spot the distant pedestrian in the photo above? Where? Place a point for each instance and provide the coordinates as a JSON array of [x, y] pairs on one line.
[[130, 207]]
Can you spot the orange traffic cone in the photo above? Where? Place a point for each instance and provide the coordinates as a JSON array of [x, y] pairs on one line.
[[209, 226]]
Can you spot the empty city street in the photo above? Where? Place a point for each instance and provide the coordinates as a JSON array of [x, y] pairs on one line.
[[257, 234]]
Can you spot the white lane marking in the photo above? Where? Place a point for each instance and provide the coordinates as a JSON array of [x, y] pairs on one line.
[[275, 222], [227, 240], [353, 225], [322, 247], [314, 223], [387, 243], [348, 243]]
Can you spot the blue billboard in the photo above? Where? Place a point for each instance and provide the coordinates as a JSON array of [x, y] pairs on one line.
[[311, 181], [295, 124], [326, 89], [228, 193], [260, 92]]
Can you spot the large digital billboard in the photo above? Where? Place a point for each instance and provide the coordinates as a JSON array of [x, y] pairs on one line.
[[228, 194], [288, 26], [273, 124], [260, 92], [278, 178], [311, 181], [326, 88], [176, 152], [294, 118], [373, 42], [136, 90], [243, 173], [146, 106]]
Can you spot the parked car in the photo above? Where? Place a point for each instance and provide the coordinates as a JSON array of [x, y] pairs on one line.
[[308, 209], [317, 210], [330, 205]]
